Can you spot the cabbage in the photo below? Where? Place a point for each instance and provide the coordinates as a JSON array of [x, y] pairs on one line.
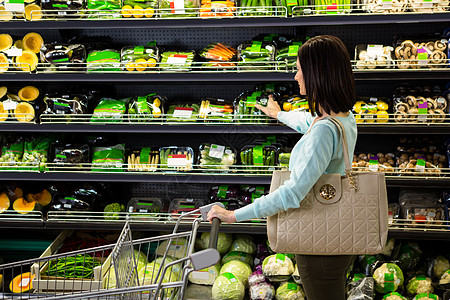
[[141, 259], [228, 287], [239, 269], [176, 268], [419, 284], [206, 276], [388, 278], [147, 276], [110, 279], [277, 264], [441, 264], [426, 296], [238, 255], [177, 248], [289, 290], [223, 242], [262, 291], [445, 279], [257, 277], [243, 243], [394, 296]]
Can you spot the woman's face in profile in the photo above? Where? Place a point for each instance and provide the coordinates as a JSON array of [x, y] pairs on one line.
[[299, 78]]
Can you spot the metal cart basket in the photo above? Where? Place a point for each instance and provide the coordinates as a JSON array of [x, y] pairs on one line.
[[115, 271]]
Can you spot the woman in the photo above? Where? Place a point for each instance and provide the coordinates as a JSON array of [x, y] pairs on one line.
[[325, 76]]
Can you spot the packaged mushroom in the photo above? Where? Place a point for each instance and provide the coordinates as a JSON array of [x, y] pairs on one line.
[[371, 109], [423, 213], [413, 109], [374, 162], [385, 6], [369, 56], [429, 54]]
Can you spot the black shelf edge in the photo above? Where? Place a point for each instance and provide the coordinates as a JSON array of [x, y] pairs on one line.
[[183, 178], [127, 78], [316, 20], [200, 127], [148, 128], [419, 234]]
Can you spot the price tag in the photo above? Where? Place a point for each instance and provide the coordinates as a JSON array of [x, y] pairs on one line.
[[230, 277], [216, 151], [423, 111], [386, 4], [373, 163], [427, 4], [67, 205], [422, 56], [183, 112], [332, 9], [9, 105], [177, 160], [24, 282], [177, 6], [420, 166], [374, 49], [293, 50], [177, 59], [13, 52], [200, 275], [280, 258], [15, 5]]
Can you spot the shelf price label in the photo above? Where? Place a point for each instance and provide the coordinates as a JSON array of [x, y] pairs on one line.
[[373, 163], [423, 111], [177, 160], [420, 166], [183, 112], [15, 5], [332, 9], [177, 59], [422, 56]]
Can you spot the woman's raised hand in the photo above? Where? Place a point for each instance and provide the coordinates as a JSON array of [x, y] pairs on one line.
[[272, 109]]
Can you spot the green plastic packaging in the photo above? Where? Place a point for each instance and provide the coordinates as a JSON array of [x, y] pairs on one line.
[[12, 154], [110, 110], [108, 159], [103, 61], [169, 10], [177, 61]]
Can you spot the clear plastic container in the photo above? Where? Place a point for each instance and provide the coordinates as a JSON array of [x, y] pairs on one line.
[[413, 196], [182, 205], [423, 213], [216, 109], [183, 9], [146, 108], [212, 156], [383, 6], [145, 208], [177, 60], [245, 110], [255, 55], [139, 58], [174, 158]]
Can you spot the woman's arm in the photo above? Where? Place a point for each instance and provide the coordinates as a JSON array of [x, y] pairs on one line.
[[298, 120], [308, 166]]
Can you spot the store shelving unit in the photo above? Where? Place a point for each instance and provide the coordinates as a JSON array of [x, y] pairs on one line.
[[296, 25]]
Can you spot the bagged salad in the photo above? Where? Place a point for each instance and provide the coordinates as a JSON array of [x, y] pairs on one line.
[[104, 8], [103, 61], [212, 156], [139, 58], [108, 159], [110, 110]]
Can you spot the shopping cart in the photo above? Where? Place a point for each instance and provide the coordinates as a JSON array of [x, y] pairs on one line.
[[116, 271]]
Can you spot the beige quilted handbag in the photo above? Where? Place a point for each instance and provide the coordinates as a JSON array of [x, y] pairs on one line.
[[340, 215]]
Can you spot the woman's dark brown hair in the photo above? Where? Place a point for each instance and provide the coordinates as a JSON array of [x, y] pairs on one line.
[[327, 71]]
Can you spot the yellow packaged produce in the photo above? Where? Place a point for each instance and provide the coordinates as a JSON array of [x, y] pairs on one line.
[[138, 11], [127, 11]]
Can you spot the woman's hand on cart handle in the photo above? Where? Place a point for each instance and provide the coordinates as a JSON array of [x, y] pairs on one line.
[[224, 215], [272, 109]]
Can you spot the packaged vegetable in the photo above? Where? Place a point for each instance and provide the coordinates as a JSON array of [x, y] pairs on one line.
[[178, 206], [437, 266], [38, 152], [108, 159], [218, 52], [393, 212], [71, 155], [100, 8], [423, 213], [371, 110], [228, 287], [378, 6], [293, 102], [221, 192], [238, 255], [64, 57], [426, 296], [65, 104], [293, 7], [289, 290], [139, 8], [12, 152], [256, 8], [419, 284], [260, 156], [197, 291], [287, 57], [146, 159], [332, 7], [389, 247], [394, 296], [176, 158], [277, 264], [216, 109], [256, 55], [262, 291], [388, 277], [250, 193], [144, 109], [71, 203], [62, 8], [239, 269], [145, 208], [112, 210], [139, 58], [369, 56], [212, 156], [223, 242], [245, 110], [183, 112], [244, 243], [255, 278], [211, 8], [409, 256], [178, 9], [103, 61], [109, 110], [421, 54], [205, 276], [177, 60], [445, 278], [361, 288]]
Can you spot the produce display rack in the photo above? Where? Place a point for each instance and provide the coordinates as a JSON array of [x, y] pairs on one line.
[[301, 25]]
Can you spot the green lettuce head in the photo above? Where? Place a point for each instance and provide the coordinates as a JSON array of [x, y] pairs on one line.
[[223, 242], [228, 287], [289, 290], [239, 269], [238, 255], [243, 243]]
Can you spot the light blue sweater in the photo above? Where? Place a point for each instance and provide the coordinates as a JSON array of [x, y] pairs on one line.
[[316, 153]]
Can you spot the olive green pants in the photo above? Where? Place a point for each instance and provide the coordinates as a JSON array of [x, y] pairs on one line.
[[324, 277]]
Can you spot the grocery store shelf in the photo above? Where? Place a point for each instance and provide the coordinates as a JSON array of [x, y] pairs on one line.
[[215, 77], [306, 20], [403, 128]]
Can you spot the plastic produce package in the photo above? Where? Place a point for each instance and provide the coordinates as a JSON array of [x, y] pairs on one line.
[[205, 276], [216, 109], [108, 159], [293, 103], [287, 56], [141, 8], [256, 8], [380, 6], [245, 110], [72, 155], [260, 156], [144, 109], [146, 159], [278, 265], [419, 284], [102, 8], [289, 290], [212, 156], [426, 296], [109, 110], [371, 110], [177, 60], [244, 243], [62, 8], [394, 296], [388, 277], [333, 7], [361, 289], [179, 9], [183, 112], [178, 206], [103, 61], [145, 208], [218, 52], [419, 54], [423, 213], [409, 255], [239, 269], [211, 8], [176, 158], [64, 57], [256, 277], [65, 104], [256, 55], [139, 58], [369, 56], [223, 242], [262, 291], [12, 153], [437, 266], [223, 192]]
